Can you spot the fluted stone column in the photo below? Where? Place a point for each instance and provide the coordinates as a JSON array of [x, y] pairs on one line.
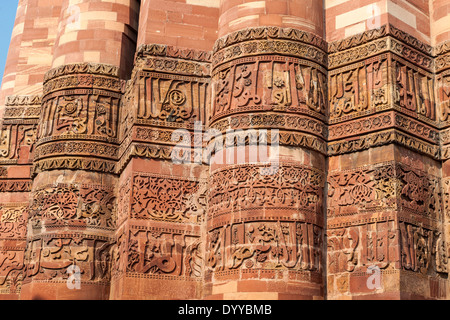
[[265, 223], [73, 210]]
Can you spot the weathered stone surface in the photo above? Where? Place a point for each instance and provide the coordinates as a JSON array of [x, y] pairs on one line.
[[131, 163]]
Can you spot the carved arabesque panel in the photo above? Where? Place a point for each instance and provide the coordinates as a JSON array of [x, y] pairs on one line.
[[382, 244]]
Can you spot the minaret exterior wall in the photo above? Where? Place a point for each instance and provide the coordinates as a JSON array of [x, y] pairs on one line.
[[132, 140]]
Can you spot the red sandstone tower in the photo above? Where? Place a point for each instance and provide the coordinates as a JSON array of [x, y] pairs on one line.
[[130, 150]]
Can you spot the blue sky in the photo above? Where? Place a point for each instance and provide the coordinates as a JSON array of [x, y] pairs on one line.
[[7, 16]]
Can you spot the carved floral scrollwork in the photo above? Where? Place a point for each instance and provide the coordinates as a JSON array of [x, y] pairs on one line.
[[59, 204], [292, 188], [384, 186], [168, 199], [361, 189], [359, 88], [414, 90]]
